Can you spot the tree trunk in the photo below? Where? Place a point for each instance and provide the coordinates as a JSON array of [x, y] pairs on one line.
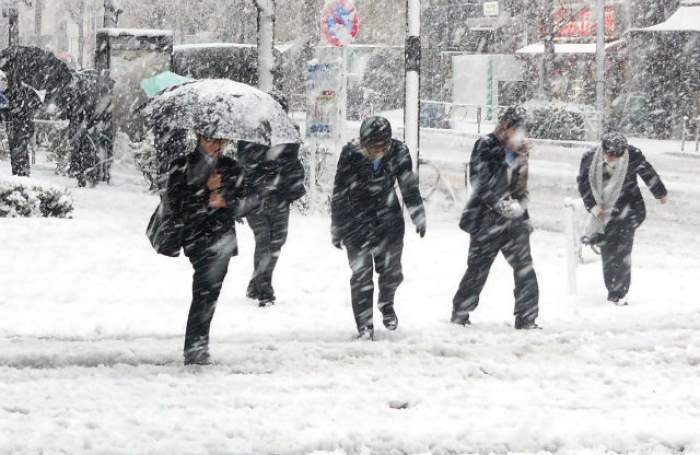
[[81, 32], [549, 52]]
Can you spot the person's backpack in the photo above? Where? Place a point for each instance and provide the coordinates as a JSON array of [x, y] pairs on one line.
[[164, 230]]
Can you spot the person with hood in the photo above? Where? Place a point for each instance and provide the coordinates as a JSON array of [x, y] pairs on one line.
[[278, 173], [607, 182], [368, 220], [497, 220], [205, 193]]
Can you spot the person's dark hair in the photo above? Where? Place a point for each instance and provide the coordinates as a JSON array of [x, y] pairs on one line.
[[375, 131], [513, 117], [614, 143]]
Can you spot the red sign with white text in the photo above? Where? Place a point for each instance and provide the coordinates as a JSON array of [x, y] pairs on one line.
[[581, 24]]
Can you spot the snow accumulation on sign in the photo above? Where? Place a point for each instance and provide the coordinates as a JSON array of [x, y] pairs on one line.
[[339, 23]]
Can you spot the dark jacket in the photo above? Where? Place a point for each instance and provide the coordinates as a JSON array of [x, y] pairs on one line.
[[630, 206], [365, 207], [488, 175], [189, 203], [281, 175]]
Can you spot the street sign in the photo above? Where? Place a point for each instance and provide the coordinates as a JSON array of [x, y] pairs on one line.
[[339, 23], [491, 9]]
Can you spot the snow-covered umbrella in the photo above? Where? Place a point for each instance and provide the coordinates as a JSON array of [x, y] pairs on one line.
[[224, 109], [35, 67]]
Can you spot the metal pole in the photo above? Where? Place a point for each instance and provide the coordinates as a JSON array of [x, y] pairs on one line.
[[600, 64], [266, 39], [412, 101], [683, 132], [342, 98]]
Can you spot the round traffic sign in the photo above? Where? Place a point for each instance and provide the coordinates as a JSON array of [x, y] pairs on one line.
[[339, 23]]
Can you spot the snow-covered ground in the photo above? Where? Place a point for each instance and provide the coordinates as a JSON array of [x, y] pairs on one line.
[[92, 322]]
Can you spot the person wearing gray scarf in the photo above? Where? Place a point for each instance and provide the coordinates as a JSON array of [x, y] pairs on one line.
[[607, 183]]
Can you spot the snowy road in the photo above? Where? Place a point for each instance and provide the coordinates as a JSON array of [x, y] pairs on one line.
[[91, 324]]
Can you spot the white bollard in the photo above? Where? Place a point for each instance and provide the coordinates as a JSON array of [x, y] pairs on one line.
[[571, 245]]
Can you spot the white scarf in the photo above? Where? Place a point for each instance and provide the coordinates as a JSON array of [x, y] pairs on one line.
[[607, 193]]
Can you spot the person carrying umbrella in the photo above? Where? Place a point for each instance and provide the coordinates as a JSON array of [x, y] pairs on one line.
[[277, 172], [33, 75], [607, 182], [206, 191], [367, 218]]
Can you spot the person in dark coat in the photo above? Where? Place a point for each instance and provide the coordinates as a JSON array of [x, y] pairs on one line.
[[607, 182], [206, 193], [24, 102], [278, 173], [81, 128], [497, 220], [367, 217]]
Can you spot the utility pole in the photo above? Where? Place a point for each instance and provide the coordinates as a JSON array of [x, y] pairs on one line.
[[266, 42], [412, 100], [600, 65]]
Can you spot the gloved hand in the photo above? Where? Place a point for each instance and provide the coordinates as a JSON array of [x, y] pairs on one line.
[[335, 239], [420, 229], [509, 208]]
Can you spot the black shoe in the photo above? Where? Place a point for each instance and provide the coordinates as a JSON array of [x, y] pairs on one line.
[[618, 302], [266, 301], [197, 357], [366, 333], [524, 324], [460, 320], [389, 318], [251, 292]]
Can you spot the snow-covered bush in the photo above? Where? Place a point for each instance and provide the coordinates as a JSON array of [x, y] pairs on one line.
[[20, 198], [556, 121]]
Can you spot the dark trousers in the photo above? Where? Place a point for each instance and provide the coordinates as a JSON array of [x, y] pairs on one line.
[[270, 226], [513, 241], [386, 259], [616, 250], [210, 269], [20, 137]]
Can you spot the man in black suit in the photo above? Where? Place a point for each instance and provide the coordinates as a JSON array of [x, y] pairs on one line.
[[496, 219], [607, 182]]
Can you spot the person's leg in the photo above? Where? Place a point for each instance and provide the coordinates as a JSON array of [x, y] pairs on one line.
[[387, 261], [19, 138], [483, 249], [279, 225], [516, 250], [259, 222], [361, 285], [617, 260], [209, 272]]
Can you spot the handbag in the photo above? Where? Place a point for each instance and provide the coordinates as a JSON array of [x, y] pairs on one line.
[[164, 230]]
